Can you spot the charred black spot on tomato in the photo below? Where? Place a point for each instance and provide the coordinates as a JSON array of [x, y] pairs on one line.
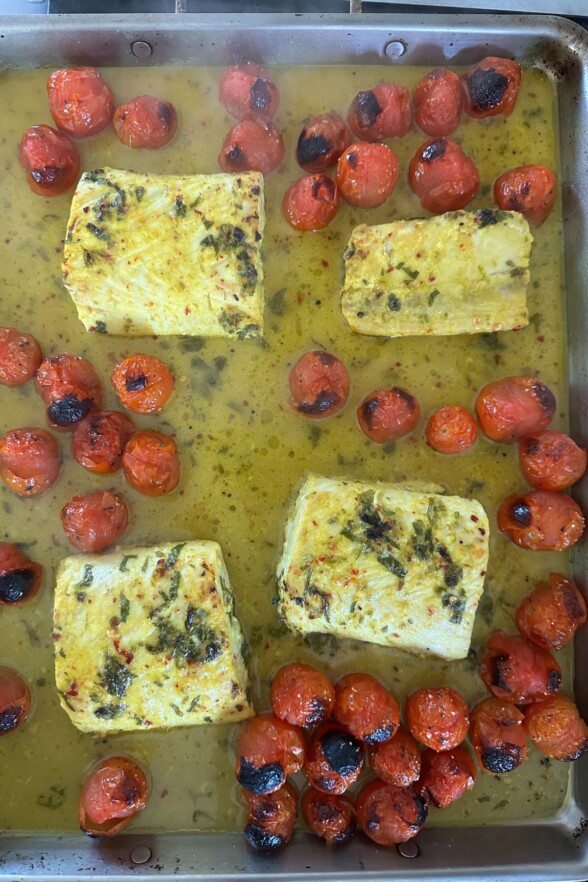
[[486, 88], [260, 96], [351, 158], [531, 446], [323, 403], [323, 189], [545, 397], [310, 149], [237, 155], [500, 667], [422, 808], [47, 175], [10, 717], [501, 759], [367, 108], [580, 750], [384, 733], [521, 513], [317, 712], [406, 397], [135, 384], [325, 358], [435, 150], [554, 681], [260, 779], [166, 113], [571, 602], [261, 839], [369, 410], [342, 751], [16, 585], [373, 820], [69, 410]]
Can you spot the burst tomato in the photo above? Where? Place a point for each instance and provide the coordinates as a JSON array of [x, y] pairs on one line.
[[268, 750], [145, 122], [498, 735], [150, 462], [365, 707], [397, 761], [98, 442], [20, 357], [20, 577], [513, 407], [541, 521], [15, 700], [551, 614], [390, 815], [516, 670], [366, 174], [438, 718], [451, 430], [114, 793], [556, 728], [50, 160], [446, 775], [530, 189], [270, 818], [94, 521], [330, 817], [322, 141], [142, 383], [381, 112], [388, 414], [246, 90], [551, 460], [252, 145], [302, 695], [30, 461], [437, 102], [442, 176], [491, 87], [80, 102], [70, 387], [334, 759], [311, 202], [319, 384]]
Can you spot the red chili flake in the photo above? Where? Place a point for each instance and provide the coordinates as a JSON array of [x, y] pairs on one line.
[[128, 656], [474, 518], [73, 690], [541, 338], [324, 262], [187, 310], [56, 636]]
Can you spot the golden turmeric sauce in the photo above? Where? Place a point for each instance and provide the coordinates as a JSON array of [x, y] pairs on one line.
[[244, 451]]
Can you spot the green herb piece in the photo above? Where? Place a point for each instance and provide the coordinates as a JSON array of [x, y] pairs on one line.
[[455, 603], [87, 577], [125, 607], [172, 558], [433, 296], [100, 327], [34, 638], [139, 193], [492, 341], [422, 540], [174, 586], [194, 704], [180, 207], [53, 799], [387, 559], [126, 558], [115, 677], [109, 711], [394, 303], [412, 274], [277, 302], [100, 232]]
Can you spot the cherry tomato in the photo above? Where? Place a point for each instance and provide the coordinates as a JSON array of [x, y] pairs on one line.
[[451, 430], [143, 383], [397, 761], [437, 102], [365, 707], [366, 174], [270, 819], [556, 728], [551, 614], [330, 817], [114, 793], [390, 815], [51, 161], [80, 102], [15, 700], [319, 384], [438, 718], [516, 670], [530, 189], [442, 176], [381, 112], [94, 521], [551, 460], [98, 441], [388, 414], [252, 145], [302, 695], [246, 90], [20, 356], [498, 736], [541, 520], [150, 462], [30, 461], [491, 87], [268, 750], [70, 387], [145, 122], [311, 202], [322, 141], [446, 775], [334, 759], [514, 407], [20, 577]]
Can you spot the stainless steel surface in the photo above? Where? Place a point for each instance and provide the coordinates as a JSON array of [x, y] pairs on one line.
[[549, 7]]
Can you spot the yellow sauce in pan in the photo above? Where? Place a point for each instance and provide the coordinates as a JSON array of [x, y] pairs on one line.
[[244, 451]]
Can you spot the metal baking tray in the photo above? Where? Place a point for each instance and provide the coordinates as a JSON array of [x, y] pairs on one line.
[[555, 849]]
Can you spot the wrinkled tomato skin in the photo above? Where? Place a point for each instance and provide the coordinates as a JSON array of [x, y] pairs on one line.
[[328, 816], [302, 695], [252, 145], [381, 112], [311, 202], [556, 728], [94, 521], [20, 357], [397, 761], [551, 614], [437, 102], [530, 189], [30, 461], [491, 87], [80, 102], [15, 700], [270, 818], [541, 520], [70, 387], [451, 430], [445, 776], [515, 670], [322, 141], [513, 407], [334, 759], [114, 793], [442, 176], [142, 383], [98, 442], [50, 160], [268, 750], [246, 90], [366, 174], [390, 815], [146, 122], [387, 414], [438, 718], [366, 708], [150, 462], [498, 736], [20, 577], [319, 384], [551, 460]]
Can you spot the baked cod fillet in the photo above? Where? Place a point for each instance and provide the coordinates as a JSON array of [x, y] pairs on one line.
[[458, 273], [384, 564], [148, 638], [163, 254]]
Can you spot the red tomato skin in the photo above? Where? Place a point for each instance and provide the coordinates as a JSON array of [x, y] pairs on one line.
[[70, 387], [302, 695], [366, 708], [311, 202], [268, 750], [551, 460], [20, 357], [541, 520], [270, 818], [437, 102], [390, 815], [498, 736], [98, 442], [442, 176], [319, 384], [322, 141], [80, 102], [328, 816], [451, 430], [146, 122], [397, 761], [445, 776], [551, 614], [438, 718], [252, 145], [114, 793], [491, 87], [94, 521], [334, 759], [142, 383], [513, 407], [150, 462], [30, 461], [387, 414], [20, 577], [50, 160], [366, 174], [246, 90], [15, 700], [556, 728], [515, 670], [530, 189], [381, 112]]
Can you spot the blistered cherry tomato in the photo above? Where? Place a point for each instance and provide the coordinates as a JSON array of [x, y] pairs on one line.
[[94, 521], [330, 817], [442, 176], [365, 707], [541, 520], [389, 814], [437, 102], [397, 761], [30, 461], [143, 383], [514, 407], [51, 161], [381, 112], [516, 670], [491, 87], [268, 750], [311, 202], [498, 735], [366, 174], [438, 718], [80, 102], [98, 441], [15, 700], [150, 462], [446, 775], [114, 793], [20, 577], [551, 460], [551, 614], [270, 818], [334, 759], [70, 387], [246, 90], [556, 728], [451, 430], [388, 414], [252, 145], [530, 189], [319, 384], [322, 141], [20, 356], [302, 695], [145, 122]]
